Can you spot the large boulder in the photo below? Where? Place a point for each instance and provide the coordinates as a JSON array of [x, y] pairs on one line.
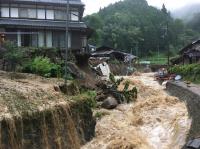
[[75, 71], [109, 103]]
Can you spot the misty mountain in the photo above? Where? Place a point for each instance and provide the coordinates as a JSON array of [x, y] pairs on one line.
[[186, 13], [133, 24]]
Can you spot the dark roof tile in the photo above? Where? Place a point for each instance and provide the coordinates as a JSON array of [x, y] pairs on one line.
[[72, 2], [42, 23]]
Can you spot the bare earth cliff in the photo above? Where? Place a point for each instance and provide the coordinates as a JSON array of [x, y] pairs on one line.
[[35, 114]]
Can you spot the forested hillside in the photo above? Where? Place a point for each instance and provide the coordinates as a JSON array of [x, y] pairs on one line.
[[187, 12], [190, 15], [133, 24], [194, 23]]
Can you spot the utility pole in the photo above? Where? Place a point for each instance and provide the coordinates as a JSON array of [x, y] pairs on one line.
[[164, 10], [66, 42], [136, 48], [168, 58]]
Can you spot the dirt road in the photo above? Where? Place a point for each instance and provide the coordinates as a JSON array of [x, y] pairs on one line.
[[155, 121]]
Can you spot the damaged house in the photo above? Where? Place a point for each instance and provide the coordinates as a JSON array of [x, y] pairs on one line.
[[189, 54], [120, 63], [42, 23], [111, 53]]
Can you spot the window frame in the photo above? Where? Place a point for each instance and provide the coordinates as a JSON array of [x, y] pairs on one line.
[[7, 16]]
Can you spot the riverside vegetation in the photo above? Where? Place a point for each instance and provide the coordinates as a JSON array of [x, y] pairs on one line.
[[189, 72]]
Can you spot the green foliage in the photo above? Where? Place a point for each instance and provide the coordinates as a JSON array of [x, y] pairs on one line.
[[44, 67], [89, 96], [13, 55], [189, 72], [132, 24], [100, 114], [195, 22], [115, 82], [129, 95], [126, 95]]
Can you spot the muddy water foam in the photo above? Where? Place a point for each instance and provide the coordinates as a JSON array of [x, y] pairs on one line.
[[155, 121]]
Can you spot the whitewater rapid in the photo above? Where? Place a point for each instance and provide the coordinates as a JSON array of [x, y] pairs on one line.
[[155, 121]]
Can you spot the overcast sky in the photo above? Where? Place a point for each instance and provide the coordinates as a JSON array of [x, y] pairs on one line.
[[94, 5]]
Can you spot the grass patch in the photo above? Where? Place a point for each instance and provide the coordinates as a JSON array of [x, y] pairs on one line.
[[158, 60], [99, 114], [89, 96]]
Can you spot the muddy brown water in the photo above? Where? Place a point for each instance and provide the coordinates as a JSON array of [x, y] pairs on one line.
[[155, 121]]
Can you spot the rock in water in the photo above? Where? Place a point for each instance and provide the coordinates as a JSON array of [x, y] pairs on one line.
[[109, 103]]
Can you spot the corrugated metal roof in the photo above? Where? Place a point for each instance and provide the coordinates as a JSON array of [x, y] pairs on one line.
[[42, 23]]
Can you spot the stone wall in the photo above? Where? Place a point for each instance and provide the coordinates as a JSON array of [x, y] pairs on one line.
[[191, 96]]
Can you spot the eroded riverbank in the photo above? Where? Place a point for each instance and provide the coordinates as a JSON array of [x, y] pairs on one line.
[[155, 121]]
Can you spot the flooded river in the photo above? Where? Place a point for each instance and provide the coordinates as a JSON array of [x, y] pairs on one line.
[[155, 121]]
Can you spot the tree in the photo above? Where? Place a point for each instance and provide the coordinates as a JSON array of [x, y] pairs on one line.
[[128, 23], [13, 55], [164, 9]]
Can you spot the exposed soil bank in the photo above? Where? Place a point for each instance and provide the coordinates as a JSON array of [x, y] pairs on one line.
[[35, 115], [155, 121], [62, 127], [191, 96]]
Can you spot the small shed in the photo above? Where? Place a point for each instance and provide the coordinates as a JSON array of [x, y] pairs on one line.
[[189, 54]]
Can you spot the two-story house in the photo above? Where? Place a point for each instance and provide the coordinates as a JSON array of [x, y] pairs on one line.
[[42, 23]]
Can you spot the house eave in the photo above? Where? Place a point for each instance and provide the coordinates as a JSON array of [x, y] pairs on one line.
[[44, 2], [47, 24]]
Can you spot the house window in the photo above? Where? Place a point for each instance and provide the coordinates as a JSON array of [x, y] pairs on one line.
[[50, 14], [49, 39], [32, 13], [41, 14], [23, 12], [62, 40], [14, 12], [27, 13], [69, 40], [34, 40], [5, 12], [59, 39], [84, 41], [60, 15], [41, 39], [74, 15]]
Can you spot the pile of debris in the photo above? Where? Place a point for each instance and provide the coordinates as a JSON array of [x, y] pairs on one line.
[[120, 63], [94, 73], [109, 95]]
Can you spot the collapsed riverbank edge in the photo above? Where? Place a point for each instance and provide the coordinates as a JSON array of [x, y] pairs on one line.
[[190, 94], [66, 125]]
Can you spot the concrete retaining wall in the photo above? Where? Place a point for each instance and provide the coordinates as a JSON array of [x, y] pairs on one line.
[[191, 96]]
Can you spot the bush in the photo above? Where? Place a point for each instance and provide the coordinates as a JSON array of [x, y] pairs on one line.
[[125, 95], [44, 67], [189, 72], [89, 96], [13, 55]]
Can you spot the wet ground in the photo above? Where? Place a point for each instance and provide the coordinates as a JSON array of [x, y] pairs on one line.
[[155, 121]]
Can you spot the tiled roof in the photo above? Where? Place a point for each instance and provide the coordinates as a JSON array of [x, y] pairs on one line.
[[194, 45], [72, 2], [42, 23]]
